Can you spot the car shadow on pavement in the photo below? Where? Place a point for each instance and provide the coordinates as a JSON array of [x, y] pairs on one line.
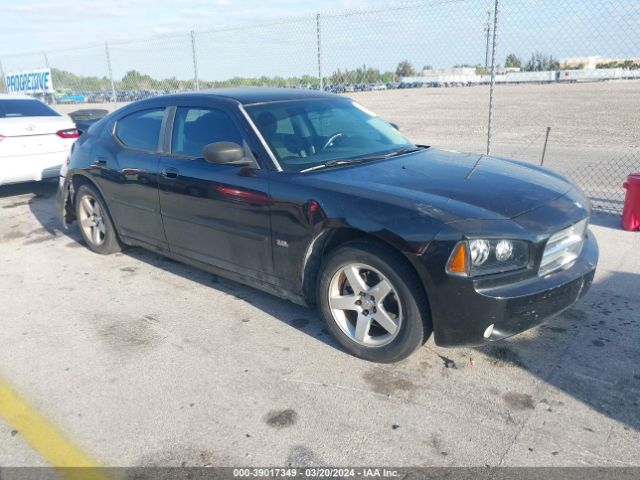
[[43, 189], [39, 196], [304, 319], [608, 220], [590, 352]]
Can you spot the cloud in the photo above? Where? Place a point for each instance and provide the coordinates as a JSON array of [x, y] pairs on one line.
[[33, 25]]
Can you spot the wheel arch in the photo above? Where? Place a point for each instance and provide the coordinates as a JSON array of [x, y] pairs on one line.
[[70, 188], [77, 180], [329, 240]]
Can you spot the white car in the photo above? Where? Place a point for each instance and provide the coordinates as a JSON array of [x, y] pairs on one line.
[[35, 140]]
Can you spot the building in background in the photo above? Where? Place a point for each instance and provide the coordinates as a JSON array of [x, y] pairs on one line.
[[592, 62]]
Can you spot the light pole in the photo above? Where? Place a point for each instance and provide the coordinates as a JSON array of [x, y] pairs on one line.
[[487, 29]]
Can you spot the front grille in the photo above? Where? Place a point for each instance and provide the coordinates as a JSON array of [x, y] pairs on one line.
[[563, 247]]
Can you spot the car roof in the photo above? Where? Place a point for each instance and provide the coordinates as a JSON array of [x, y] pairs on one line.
[[249, 95]]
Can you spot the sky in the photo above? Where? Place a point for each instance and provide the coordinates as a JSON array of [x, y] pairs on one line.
[[35, 25], [278, 37]]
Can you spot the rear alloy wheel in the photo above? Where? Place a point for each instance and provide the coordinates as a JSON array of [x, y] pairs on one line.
[[372, 302], [95, 223]]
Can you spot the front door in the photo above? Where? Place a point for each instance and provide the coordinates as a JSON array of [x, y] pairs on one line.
[[217, 214]]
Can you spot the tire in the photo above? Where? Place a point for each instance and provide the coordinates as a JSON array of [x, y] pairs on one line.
[[366, 329], [95, 221]]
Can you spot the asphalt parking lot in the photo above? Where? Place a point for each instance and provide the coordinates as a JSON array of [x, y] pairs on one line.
[[139, 360]]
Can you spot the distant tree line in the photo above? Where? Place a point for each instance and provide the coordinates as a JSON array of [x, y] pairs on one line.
[[134, 80], [630, 64], [540, 62]]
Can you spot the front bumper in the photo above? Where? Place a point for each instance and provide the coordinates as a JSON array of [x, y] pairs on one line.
[[512, 308]]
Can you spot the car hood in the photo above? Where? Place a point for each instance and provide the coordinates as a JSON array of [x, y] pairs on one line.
[[453, 185]]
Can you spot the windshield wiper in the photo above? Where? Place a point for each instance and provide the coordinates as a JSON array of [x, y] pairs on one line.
[[342, 161], [404, 150], [351, 161]]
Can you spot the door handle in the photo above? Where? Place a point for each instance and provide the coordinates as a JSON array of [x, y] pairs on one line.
[[100, 160], [169, 172]]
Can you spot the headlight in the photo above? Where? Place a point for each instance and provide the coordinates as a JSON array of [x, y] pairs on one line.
[[504, 250], [479, 250], [483, 257]]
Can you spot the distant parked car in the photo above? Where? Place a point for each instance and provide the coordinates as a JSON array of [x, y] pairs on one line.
[[71, 98], [35, 140], [85, 117]]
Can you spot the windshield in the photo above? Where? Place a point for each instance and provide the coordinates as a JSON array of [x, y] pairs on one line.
[[25, 108], [304, 134]]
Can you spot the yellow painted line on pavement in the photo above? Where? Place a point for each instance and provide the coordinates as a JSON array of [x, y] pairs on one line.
[[45, 438]]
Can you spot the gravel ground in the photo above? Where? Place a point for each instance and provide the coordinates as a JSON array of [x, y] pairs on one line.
[[143, 361]]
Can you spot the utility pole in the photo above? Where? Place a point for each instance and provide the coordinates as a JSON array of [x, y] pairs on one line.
[[493, 78], [487, 29], [319, 41], [4, 80], [114, 99], [46, 64], [195, 61]]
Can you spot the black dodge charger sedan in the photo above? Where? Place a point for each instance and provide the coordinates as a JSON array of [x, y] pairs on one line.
[[313, 198]]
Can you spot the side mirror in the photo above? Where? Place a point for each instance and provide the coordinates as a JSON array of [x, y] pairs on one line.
[[394, 125], [228, 153]]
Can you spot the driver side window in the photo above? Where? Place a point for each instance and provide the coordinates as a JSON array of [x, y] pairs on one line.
[[195, 127]]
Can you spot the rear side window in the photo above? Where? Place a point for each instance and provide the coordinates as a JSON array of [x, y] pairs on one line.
[[196, 127], [141, 130], [21, 107]]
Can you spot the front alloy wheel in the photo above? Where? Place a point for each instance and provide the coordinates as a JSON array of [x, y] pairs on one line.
[[365, 305], [373, 301]]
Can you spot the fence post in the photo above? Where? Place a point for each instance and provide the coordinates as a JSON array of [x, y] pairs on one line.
[[319, 43], [114, 99], [488, 31], [3, 87], [544, 149], [195, 61], [493, 77], [46, 64]]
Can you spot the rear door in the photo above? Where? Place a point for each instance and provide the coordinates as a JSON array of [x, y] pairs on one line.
[[125, 166], [217, 214]]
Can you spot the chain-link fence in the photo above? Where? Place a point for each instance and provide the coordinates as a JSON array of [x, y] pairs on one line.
[[588, 105], [546, 81]]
